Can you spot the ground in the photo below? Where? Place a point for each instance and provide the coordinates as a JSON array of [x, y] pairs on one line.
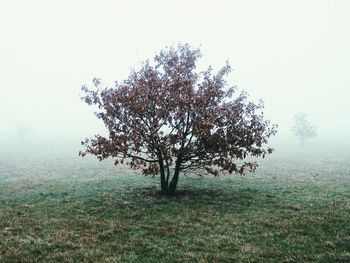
[[295, 208]]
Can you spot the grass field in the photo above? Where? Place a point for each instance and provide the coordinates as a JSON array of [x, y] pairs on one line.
[[295, 208]]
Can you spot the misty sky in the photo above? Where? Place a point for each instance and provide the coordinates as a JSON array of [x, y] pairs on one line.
[[292, 54]]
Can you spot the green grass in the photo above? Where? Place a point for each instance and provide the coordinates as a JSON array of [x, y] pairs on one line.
[[294, 209]]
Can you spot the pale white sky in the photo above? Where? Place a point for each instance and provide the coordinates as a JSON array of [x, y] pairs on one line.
[[292, 54]]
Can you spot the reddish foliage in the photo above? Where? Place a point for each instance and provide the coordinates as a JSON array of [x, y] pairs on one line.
[[166, 118]]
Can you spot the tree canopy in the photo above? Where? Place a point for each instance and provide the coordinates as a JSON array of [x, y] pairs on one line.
[[167, 118]]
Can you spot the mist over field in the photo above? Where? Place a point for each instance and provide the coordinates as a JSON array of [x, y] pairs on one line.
[[293, 55]]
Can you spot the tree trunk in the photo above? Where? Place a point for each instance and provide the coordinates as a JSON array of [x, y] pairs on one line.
[[163, 183], [175, 179]]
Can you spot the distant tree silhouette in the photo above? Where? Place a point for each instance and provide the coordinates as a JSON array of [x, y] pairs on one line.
[[166, 118], [302, 128], [21, 131]]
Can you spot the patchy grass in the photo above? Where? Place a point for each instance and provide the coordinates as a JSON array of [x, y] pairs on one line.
[[294, 209]]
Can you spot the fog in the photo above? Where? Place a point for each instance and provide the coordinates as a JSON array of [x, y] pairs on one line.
[[294, 55]]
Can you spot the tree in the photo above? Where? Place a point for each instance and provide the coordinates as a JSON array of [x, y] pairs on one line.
[[302, 128], [166, 118], [21, 130]]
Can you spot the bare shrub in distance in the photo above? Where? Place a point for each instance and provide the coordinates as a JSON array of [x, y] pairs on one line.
[[303, 129]]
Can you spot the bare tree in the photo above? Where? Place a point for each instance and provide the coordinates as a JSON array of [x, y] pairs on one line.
[[21, 130], [303, 129]]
